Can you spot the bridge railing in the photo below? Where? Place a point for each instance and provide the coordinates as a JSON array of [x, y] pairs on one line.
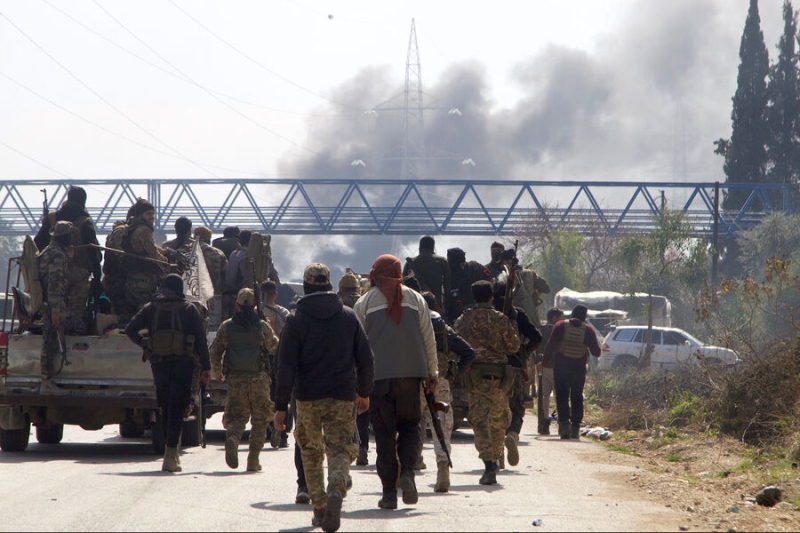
[[372, 207]]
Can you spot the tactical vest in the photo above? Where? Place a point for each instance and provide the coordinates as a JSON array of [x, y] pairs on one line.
[[162, 341], [243, 354], [112, 262], [573, 345]]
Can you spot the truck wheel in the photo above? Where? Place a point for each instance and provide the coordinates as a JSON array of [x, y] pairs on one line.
[[51, 434], [159, 439], [129, 429], [191, 435], [15, 440], [624, 362]]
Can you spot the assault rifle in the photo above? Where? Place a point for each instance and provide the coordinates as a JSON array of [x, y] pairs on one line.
[[541, 415], [45, 209], [434, 407], [257, 291]]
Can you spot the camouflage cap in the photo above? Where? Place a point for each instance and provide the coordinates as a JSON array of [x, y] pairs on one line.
[[62, 227], [349, 281], [317, 274], [246, 298]]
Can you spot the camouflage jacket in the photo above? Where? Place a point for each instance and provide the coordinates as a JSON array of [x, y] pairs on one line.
[[53, 275], [217, 264], [269, 344], [489, 332]]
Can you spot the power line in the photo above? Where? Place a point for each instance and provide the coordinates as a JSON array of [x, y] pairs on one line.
[[114, 133], [26, 156], [104, 100], [259, 64], [188, 78]]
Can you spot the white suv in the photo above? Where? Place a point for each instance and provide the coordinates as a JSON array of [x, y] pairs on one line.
[[623, 347]]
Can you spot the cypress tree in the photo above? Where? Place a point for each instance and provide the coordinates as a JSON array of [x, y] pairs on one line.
[[746, 152], [783, 111]]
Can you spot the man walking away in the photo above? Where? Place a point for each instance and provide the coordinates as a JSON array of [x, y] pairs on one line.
[[325, 359], [238, 275], [175, 339], [489, 379], [398, 325], [567, 349], [240, 356], [430, 269], [554, 315]]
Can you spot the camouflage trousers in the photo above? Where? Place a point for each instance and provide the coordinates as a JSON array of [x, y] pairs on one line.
[[489, 416], [72, 322], [139, 289], [443, 394], [248, 399], [516, 403], [325, 428]]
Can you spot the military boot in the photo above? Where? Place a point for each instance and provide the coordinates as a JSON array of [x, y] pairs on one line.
[[332, 518], [544, 429], [575, 432], [253, 465], [489, 476], [512, 437], [232, 451], [388, 500], [362, 460], [564, 430], [172, 462], [409, 488], [319, 515], [442, 477]]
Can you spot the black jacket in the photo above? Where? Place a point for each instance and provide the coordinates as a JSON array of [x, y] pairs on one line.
[[189, 316], [323, 353], [455, 343], [70, 211]]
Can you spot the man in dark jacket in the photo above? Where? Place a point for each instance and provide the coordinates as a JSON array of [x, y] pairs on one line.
[[238, 275], [431, 270], [228, 242], [325, 359], [463, 274], [176, 338], [567, 350]]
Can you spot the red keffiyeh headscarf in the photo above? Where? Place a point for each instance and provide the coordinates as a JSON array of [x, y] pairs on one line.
[[387, 267]]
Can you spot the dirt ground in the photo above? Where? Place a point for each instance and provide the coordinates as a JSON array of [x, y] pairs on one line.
[[709, 480]]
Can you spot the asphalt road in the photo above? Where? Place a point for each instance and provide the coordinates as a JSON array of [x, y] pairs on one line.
[[98, 481]]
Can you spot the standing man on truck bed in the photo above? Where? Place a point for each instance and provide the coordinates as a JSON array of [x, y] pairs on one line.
[[63, 309], [176, 338]]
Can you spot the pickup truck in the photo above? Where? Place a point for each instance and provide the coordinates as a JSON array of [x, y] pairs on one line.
[[105, 382]]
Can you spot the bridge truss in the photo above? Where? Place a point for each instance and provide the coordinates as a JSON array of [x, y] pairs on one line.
[[398, 207]]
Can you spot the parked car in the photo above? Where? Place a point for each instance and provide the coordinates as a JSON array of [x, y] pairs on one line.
[[623, 347]]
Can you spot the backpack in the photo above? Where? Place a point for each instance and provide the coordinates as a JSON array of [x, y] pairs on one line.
[[29, 266], [172, 340], [259, 252], [112, 263]]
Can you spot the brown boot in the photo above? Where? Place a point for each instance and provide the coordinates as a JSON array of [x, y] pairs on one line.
[[232, 451], [442, 477], [511, 445], [253, 465], [172, 462]]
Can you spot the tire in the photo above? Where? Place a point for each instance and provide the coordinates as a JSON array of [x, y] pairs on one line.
[[51, 434], [15, 440], [129, 429], [192, 433], [624, 362], [157, 433]]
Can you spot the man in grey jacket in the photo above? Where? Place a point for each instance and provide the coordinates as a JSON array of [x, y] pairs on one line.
[[400, 332]]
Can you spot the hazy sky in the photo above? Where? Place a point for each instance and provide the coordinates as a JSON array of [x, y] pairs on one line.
[[581, 89]]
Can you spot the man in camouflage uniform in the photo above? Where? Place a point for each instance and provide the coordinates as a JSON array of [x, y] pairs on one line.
[[85, 261], [114, 278], [488, 380], [64, 296], [530, 338], [215, 259], [325, 361], [240, 356], [142, 275], [350, 292]]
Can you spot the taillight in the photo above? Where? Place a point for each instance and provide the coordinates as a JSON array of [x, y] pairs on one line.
[[3, 339]]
